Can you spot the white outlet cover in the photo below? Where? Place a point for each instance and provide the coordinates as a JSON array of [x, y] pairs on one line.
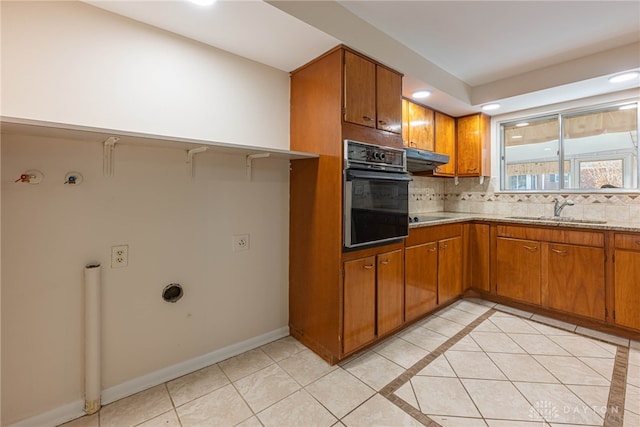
[[119, 256]]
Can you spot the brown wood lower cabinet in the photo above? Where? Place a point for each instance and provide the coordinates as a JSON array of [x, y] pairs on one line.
[[518, 269], [373, 298], [359, 326], [576, 280], [421, 279], [449, 269], [627, 280], [554, 268], [433, 268], [390, 288]]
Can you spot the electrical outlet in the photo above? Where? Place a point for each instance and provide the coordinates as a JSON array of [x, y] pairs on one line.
[[119, 256], [240, 242]]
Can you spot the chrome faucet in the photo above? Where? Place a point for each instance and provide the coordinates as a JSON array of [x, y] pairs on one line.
[[557, 207]]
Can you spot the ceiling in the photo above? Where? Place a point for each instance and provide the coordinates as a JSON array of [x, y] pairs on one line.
[[522, 54]]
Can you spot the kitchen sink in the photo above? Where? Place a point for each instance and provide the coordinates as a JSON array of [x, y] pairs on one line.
[[559, 219]]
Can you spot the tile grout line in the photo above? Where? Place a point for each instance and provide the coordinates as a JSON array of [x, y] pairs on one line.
[[388, 391], [615, 403]]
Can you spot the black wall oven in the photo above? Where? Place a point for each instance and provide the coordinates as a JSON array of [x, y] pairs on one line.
[[376, 195]]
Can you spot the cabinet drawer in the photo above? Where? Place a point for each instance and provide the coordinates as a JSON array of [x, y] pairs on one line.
[[627, 241], [432, 233], [553, 235]]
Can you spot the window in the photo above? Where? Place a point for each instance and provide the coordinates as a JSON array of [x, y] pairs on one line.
[[585, 150]]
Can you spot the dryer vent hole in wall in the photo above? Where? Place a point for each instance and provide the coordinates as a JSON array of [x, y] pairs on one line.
[[172, 292], [240, 242]]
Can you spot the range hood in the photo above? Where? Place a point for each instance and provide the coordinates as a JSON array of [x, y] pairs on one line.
[[423, 160]]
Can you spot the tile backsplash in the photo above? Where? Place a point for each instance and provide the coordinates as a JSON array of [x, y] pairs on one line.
[[471, 196]]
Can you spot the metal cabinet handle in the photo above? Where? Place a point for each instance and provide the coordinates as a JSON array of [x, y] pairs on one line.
[[382, 122], [530, 248], [433, 249], [558, 251], [367, 118], [472, 169], [637, 242], [443, 246], [368, 267], [384, 262]]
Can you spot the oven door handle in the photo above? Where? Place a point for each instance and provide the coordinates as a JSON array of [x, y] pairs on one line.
[[351, 174]]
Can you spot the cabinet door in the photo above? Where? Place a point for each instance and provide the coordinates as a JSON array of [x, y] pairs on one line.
[[405, 122], [445, 142], [627, 288], [576, 280], [389, 100], [472, 152], [420, 127], [449, 270], [359, 325], [518, 269], [390, 291], [479, 256], [421, 279], [359, 90]]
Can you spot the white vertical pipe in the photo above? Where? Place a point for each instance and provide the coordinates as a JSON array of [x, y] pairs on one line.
[[92, 381]]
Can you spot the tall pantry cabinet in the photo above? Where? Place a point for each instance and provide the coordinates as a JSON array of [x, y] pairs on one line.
[[340, 95]]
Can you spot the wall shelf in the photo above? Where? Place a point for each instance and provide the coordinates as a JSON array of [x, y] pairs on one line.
[[16, 126]]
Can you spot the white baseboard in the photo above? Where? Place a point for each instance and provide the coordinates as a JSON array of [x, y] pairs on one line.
[[54, 417], [75, 409]]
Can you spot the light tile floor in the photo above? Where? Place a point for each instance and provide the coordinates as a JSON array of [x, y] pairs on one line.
[[471, 364]]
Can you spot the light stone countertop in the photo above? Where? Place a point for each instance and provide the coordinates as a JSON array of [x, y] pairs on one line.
[[439, 218]]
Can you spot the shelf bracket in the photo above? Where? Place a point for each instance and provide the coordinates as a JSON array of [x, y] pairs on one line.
[[190, 155], [107, 155], [250, 159], [456, 180], [481, 180]]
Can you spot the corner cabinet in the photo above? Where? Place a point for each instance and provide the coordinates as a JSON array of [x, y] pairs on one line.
[[473, 145], [339, 95]]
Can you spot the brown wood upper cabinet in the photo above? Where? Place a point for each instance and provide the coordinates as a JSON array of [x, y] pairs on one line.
[[372, 94], [418, 126], [626, 280], [473, 145], [445, 143]]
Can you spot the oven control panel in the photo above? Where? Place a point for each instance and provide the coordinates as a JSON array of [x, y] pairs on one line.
[[360, 155]]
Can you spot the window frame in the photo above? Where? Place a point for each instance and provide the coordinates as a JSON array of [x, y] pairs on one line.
[[628, 169]]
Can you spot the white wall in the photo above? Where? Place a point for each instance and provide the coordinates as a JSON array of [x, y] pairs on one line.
[[69, 62]]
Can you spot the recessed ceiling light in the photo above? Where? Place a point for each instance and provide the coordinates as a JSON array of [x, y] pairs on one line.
[[516, 137], [624, 77], [490, 107], [422, 94], [519, 125], [202, 2]]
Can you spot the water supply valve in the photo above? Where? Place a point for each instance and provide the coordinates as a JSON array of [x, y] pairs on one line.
[[31, 176]]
